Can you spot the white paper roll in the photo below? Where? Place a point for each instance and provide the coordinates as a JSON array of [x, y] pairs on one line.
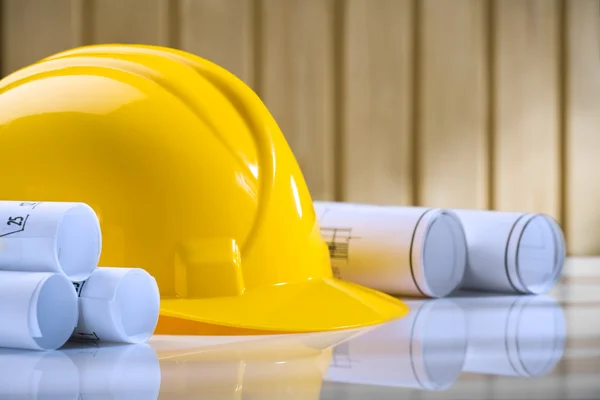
[[514, 335], [49, 237], [117, 305], [512, 252], [116, 371], [38, 310], [398, 250], [425, 350], [37, 375]]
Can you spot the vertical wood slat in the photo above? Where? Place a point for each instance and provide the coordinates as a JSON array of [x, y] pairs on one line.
[[453, 91], [221, 31], [128, 21], [376, 98], [527, 140], [80, 21], [583, 126], [32, 30], [297, 83]]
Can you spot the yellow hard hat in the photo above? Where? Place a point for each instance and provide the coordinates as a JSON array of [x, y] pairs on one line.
[[192, 180]]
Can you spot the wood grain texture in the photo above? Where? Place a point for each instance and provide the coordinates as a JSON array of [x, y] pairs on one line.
[[32, 30], [457, 103], [126, 21], [583, 127], [376, 99], [527, 131], [221, 31], [453, 109], [297, 83]]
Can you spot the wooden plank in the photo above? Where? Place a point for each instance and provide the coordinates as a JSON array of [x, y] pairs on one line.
[[583, 127], [297, 83], [376, 118], [453, 116], [527, 131], [221, 31], [128, 21], [32, 30]]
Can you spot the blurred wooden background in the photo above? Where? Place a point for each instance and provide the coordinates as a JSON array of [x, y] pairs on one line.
[[452, 103]]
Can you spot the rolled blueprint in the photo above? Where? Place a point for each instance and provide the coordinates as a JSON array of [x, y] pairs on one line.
[[117, 305], [38, 310], [424, 350], [514, 335], [512, 252], [49, 237], [410, 251]]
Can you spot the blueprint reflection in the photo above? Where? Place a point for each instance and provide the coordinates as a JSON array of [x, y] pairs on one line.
[[428, 350], [500, 335], [79, 370]]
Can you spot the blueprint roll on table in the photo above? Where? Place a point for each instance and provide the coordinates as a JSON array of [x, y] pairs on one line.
[[118, 305], [425, 350], [38, 310], [512, 252], [57, 237], [411, 251]]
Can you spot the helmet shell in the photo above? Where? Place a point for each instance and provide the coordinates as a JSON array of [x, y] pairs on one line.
[[188, 172]]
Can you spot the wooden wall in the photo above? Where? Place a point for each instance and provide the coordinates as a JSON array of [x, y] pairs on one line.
[[451, 103]]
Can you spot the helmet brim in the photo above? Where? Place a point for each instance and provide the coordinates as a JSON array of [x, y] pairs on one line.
[[310, 306]]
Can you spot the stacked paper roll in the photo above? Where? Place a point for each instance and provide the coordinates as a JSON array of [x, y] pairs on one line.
[[51, 288], [117, 305]]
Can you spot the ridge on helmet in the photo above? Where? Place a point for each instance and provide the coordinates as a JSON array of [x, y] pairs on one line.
[[192, 180]]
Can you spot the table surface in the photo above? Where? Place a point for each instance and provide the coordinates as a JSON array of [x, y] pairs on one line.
[[465, 347]]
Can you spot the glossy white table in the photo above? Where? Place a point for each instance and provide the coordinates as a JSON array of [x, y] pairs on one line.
[[497, 347]]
